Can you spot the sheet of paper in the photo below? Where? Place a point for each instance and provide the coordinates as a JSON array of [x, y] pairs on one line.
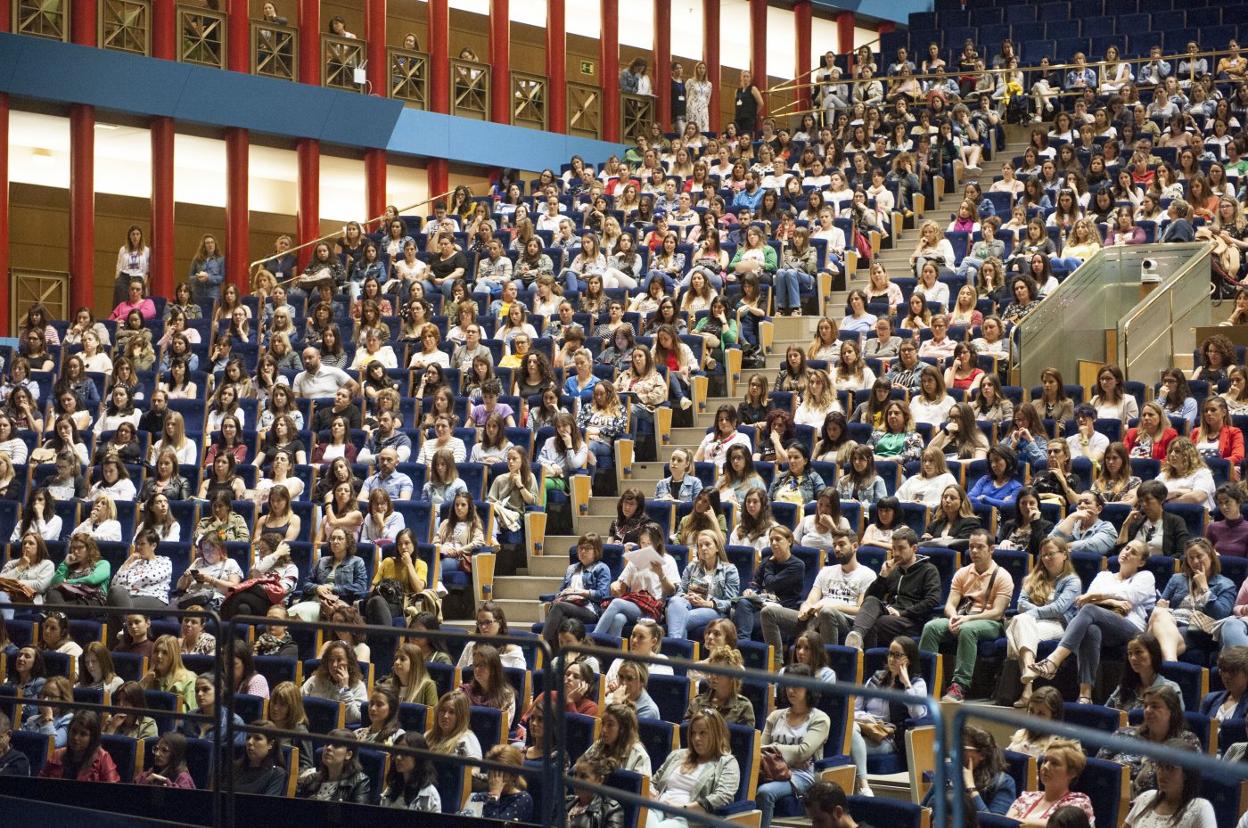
[[642, 557]]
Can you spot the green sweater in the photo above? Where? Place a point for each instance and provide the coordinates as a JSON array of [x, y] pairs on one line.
[[99, 576]]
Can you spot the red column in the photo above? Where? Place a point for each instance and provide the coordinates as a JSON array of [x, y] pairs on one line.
[[308, 153], [663, 61], [237, 244], [556, 67], [164, 29], [845, 37], [500, 61], [710, 56], [82, 173], [162, 207], [438, 39], [801, 59], [238, 38], [609, 62], [886, 27], [375, 182], [310, 42], [81, 206], [439, 174], [4, 194], [378, 67], [758, 48]]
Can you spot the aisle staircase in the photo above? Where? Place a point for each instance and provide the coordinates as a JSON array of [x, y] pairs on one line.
[[548, 559]]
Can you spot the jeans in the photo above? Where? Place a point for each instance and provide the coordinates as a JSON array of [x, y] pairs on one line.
[[683, 618], [603, 454], [878, 628], [449, 567], [771, 792], [676, 387], [969, 634], [859, 750], [748, 329], [618, 613], [743, 615], [1094, 630], [780, 623], [969, 269], [573, 282], [1234, 633], [491, 289], [1065, 265], [790, 283]]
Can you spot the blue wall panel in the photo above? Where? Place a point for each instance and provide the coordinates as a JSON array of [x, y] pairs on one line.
[[898, 11], [64, 73]]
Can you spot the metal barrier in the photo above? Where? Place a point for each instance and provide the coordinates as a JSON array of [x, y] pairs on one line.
[[409, 76], [126, 26], [470, 89], [552, 776], [1164, 323], [274, 50]]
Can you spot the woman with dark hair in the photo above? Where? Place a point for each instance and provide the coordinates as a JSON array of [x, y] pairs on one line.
[[585, 585], [878, 723], [338, 677], [984, 779], [1142, 672], [776, 433], [998, 487], [338, 777], [169, 766], [411, 783], [83, 758], [1162, 723], [1175, 396], [260, 770], [1176, 800]]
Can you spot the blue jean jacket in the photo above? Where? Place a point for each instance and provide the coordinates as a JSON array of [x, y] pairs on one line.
[[349, 582]]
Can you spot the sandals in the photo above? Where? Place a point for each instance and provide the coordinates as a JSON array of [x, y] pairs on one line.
[[1044, 669], [1023, 701], [1085, 700]]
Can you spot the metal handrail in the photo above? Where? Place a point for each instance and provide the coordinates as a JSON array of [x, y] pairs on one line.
[[274, 50]]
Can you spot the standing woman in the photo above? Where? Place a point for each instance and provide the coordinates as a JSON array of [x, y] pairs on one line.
[[1112, 611], [207, 272], [747, 102], [133, 262], [1046, 604], [698, 97]]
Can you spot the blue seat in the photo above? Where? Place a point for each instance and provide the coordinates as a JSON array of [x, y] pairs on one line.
[[670, 694]]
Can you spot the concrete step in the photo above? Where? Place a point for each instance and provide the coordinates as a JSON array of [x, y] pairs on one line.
[[522, 611], [525, 586], [547, 566]]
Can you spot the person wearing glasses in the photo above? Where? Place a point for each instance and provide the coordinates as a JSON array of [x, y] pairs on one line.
[[1161, 533], [1084, 530]]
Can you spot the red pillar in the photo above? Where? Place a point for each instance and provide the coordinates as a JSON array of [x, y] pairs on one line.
[[375, 182], [238, 38], [164, 28], [82, 173], [556, 67], [438, 39], [710, 56], [308, 153], [886, 27], [439, 174], [758, 49], [81, 206], [609, 61], [378, 67], [845, 36], [237, 215], [801, 60], [310, 42], [663, 61], [162, 207], [4, 194], [500, 61]]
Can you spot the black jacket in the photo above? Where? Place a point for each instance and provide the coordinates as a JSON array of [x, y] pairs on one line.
[[14, 763], [353, 788], [1040, 529], [1174, 534], [784, 580], [914, 592], [599, 813]]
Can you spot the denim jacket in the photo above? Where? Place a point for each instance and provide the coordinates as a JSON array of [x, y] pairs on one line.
[[723, 583], [1061, 604], [596, 579], [350, 581]]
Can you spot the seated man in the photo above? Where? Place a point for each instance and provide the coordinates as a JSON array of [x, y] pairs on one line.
[[978, 598], [901, 599]]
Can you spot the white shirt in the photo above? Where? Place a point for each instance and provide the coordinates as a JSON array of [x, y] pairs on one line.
[[932, 413], [925, 490], [1197, 814], [1201, 480], [809, 534], [840, 587]]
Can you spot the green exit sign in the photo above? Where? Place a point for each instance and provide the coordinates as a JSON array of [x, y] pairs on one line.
[[587, 67]]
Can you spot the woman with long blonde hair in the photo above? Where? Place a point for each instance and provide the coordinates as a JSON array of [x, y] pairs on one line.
[[1046, 605], [449, 733], [825, 344], [168, 674], [818, 400]]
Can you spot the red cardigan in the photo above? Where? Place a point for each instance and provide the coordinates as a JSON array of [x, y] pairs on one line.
[[1159, 446], [100, 769], [1230, 444]]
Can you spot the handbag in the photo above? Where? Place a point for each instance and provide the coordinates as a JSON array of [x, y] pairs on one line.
[[967, 605], [391, 591], [271, 584], [775, 769], [81, 594], [14, 590], [649, 605], [874, 731]]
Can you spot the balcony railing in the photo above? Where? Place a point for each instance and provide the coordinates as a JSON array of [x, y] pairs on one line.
[[126, 26], [636, 115], [340, 57], [42, 18], [274, 50], [584, 110], [528, 100], [470, 89], [201, 36], [409, 76]]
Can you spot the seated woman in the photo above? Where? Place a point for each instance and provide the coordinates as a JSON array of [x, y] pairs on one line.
[[799, 483], [1142, 671], [1186, 477], [260, 770], [142, 581], [1153, 435], [1216, 437], [211, 577], [704, 776], [383, 717], [491, 620], [505, 797], [645, 639], [1192, 603], [409, 679], [217, 715], [449, 733], [999, 487], [411, 783], [1163, 722], [83, 758], [1062, 762], [1112, 611], [928, 486], [1046, 604], [31, 570], [1045, 704], [723, 693], [898, 440], [279, 517], [167, 672], [990, 789], [878, 724], [338, 678], [169, 768], [586, 584], [338, 777], [618, 741], [1113, 479], [657, 584], [339, 577], [1174, 800], [49, 719], [797, 734], [821, 528], [708, 587], [953, 521]]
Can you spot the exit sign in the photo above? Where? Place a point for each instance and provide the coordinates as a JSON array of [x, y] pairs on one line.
[[587, 67]]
